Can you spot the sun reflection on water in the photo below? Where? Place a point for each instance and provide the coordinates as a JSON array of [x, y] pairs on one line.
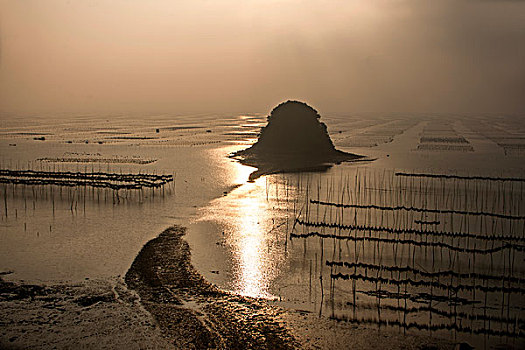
[[242, 173], [246, 217], [254, 269]]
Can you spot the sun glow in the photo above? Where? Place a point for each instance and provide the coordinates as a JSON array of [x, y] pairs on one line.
[[251, 242], [242, 173], [250, 238], [247, 217]]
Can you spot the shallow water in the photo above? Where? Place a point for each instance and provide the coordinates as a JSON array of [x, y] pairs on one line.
[[254, 255], [49, 233], [239, 231]]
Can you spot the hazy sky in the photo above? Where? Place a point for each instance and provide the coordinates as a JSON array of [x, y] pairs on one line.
[[179, 56]]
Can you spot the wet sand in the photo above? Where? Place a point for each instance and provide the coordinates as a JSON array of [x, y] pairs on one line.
[[193, 313], [163, 303], [100, 314]]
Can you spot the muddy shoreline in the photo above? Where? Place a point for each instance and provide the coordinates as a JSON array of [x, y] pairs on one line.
[[192, 313], [164, 303], [94, 314]]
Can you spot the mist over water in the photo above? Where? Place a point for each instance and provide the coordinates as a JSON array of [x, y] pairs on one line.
[[424, 236], [199, 56]]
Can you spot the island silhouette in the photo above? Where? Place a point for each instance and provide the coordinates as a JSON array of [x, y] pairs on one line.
[[293, 140]]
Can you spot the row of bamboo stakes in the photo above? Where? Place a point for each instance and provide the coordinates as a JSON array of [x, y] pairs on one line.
[[77, 187], [441, 250]]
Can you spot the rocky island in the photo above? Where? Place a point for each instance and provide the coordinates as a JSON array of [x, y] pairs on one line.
[[293, 140]]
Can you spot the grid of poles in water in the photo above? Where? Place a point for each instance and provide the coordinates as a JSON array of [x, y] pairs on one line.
[[73, 186], [436, 253]]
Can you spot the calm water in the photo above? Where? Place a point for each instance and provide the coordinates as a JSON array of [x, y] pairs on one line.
[[250, 237]]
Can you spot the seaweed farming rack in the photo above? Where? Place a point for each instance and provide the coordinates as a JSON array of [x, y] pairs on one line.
[[432, 252], [76, 187], [94, 179]]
